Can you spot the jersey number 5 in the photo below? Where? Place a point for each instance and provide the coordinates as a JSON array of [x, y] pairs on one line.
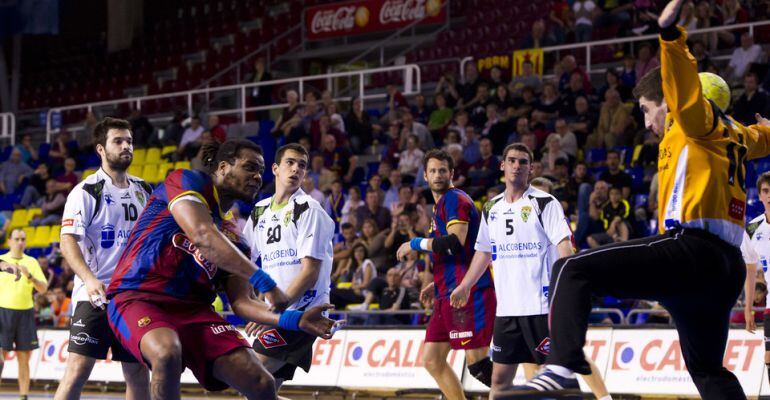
[[509, 227], [274, 234]]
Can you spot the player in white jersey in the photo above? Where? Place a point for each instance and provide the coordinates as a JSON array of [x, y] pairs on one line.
[[759, 232], [98, 216], [291, 234], [523, 231]]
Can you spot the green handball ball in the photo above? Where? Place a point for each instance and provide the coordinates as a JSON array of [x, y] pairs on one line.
[[715, 89]]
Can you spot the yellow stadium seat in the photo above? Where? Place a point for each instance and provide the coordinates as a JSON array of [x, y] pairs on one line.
[[139, 156], [167, 150], [135, 170], [182, 165], [87, 173], [41, 238], [153, 156], [30, 231], [32, 213], [55, 234], [18, 219], [344, 285], [163, 171], [149, 173]]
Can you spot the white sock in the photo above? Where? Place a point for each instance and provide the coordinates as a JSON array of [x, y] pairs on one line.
[[607, 397], [561, 371]]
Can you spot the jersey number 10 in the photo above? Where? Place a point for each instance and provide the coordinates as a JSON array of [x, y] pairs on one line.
[[129, 212]]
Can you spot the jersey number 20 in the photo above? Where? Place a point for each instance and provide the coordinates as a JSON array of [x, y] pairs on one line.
[[274, 234]]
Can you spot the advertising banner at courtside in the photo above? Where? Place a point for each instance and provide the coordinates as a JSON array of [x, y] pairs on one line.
[[326, 364]]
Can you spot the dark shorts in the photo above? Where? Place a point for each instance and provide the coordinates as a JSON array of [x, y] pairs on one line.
[[18, 330], [521, 340], [293, 347], [205, 336], [464, 328], [767, 332], [91, 336]]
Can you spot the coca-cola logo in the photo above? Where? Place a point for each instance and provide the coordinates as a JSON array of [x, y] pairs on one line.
[[342, 18], [402, 11]]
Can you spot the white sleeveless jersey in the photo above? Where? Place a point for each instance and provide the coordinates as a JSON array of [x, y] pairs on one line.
[[759, 232], [281, 239], [522, 237], [101, 216]]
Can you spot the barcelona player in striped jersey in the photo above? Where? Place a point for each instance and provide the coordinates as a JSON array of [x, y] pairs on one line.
[[694, 266], [181, 252], [454, 228]]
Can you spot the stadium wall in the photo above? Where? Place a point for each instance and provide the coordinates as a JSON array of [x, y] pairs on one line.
[[639, 361]]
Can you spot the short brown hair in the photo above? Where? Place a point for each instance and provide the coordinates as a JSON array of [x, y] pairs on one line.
[[291, 146], [520, 147], [104, 126], [764, 178], [650, 86], [438, 154]]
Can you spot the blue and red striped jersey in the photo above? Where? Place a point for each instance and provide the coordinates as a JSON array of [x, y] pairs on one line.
[[159, 258], [455, 207]]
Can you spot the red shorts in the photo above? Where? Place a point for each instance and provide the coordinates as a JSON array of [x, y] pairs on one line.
[[205, 336], [464, 328]]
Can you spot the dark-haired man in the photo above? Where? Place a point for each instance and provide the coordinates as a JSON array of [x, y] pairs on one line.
[[183, 250], [455, 225], [99, 214]]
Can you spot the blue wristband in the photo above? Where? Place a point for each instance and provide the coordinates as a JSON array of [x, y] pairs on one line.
[[289, 320], [415, 244], [262, 281]]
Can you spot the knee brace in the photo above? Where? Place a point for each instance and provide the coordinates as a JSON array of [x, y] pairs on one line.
[[482, 370]]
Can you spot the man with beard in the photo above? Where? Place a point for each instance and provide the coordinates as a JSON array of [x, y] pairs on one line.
[[98, 215], [455, 226], [183, 250]]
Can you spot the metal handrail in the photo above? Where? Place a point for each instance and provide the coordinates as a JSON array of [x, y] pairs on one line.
[[660, 311], [8, 126], [412, 85]]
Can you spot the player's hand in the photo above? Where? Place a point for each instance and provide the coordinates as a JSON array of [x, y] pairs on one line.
[[96, 292], [748, 314], [255, 329], [403, 250], [11, 269], [670, 13], [277, 299], [762, 121], [426, 294], [315, 323], [459, 296]]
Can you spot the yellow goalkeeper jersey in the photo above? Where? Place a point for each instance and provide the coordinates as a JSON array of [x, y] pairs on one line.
[[700, 161]]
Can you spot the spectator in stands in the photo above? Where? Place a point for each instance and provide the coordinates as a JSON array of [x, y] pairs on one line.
[[361, 271], [217, 130], [342, 249], [469, 89], [359, 127], [628, 71], [592, 224], [401, 231], [646, 60], [537, 37], [5, 223], [494, 128], [528, 78], [420, 111], [615, 176], [290, 118], [322, 176], [311, 112], [338, 159], [197, 162], [373, 210], [526, 103], [61, 307], [84, 137], [545, 111], [612, 81], [52, 206], [410, 159], [530, 141], [578, 191], [569, 66], [441, 116], [308, 186], [322, 129], [67, 179], [13, 172], [484, 173], [411, 127], [461, 168], [616, 14], [615, 123], [701, 55], [753, 101], [61, 149], [172, 133], [733, 13], [495, 79], [742, 58], [374, 239], [687, 17], [502, 98], [705, 18], [573, 91], [583, 122], [568, 139], [353, 202], [43, 311], [396, 102], [645, 20], [142, 130], [460, 123], [447, 87], [560, 20], [391, 195], [614, 216], [35, 186], [335, 117], [552, 153], [190, 142], [471, 151], [477, 107], [28, 152], [390, 295], [583, 11], [260, 95]]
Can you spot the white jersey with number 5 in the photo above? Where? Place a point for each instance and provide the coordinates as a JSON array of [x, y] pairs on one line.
[[281, 239], [101, 216], [522, 237]]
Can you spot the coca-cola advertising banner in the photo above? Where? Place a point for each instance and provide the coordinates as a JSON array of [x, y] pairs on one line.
[[367, 16]]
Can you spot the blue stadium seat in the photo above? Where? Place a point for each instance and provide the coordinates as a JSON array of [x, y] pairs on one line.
[[763, 165], [637, 176], [626, 154], [596, 171], [42, 151], [371, 169], [751, 173], [6, 153], [594, 156], [640, 200]]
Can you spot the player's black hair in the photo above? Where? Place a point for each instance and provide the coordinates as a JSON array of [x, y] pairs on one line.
[[214, 152], [519, 147], [293, 147], [438, 154], [104, 126], [763, 178], [650, 86]]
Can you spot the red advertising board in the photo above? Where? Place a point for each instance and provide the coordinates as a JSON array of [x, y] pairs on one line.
[[367, 16]]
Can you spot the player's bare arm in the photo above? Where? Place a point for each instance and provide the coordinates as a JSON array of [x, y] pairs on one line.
[[748, 306], [197, 224], [246, 305], [74, 256], [564, 248], [306, 279], [40, 286], [11, 269]]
